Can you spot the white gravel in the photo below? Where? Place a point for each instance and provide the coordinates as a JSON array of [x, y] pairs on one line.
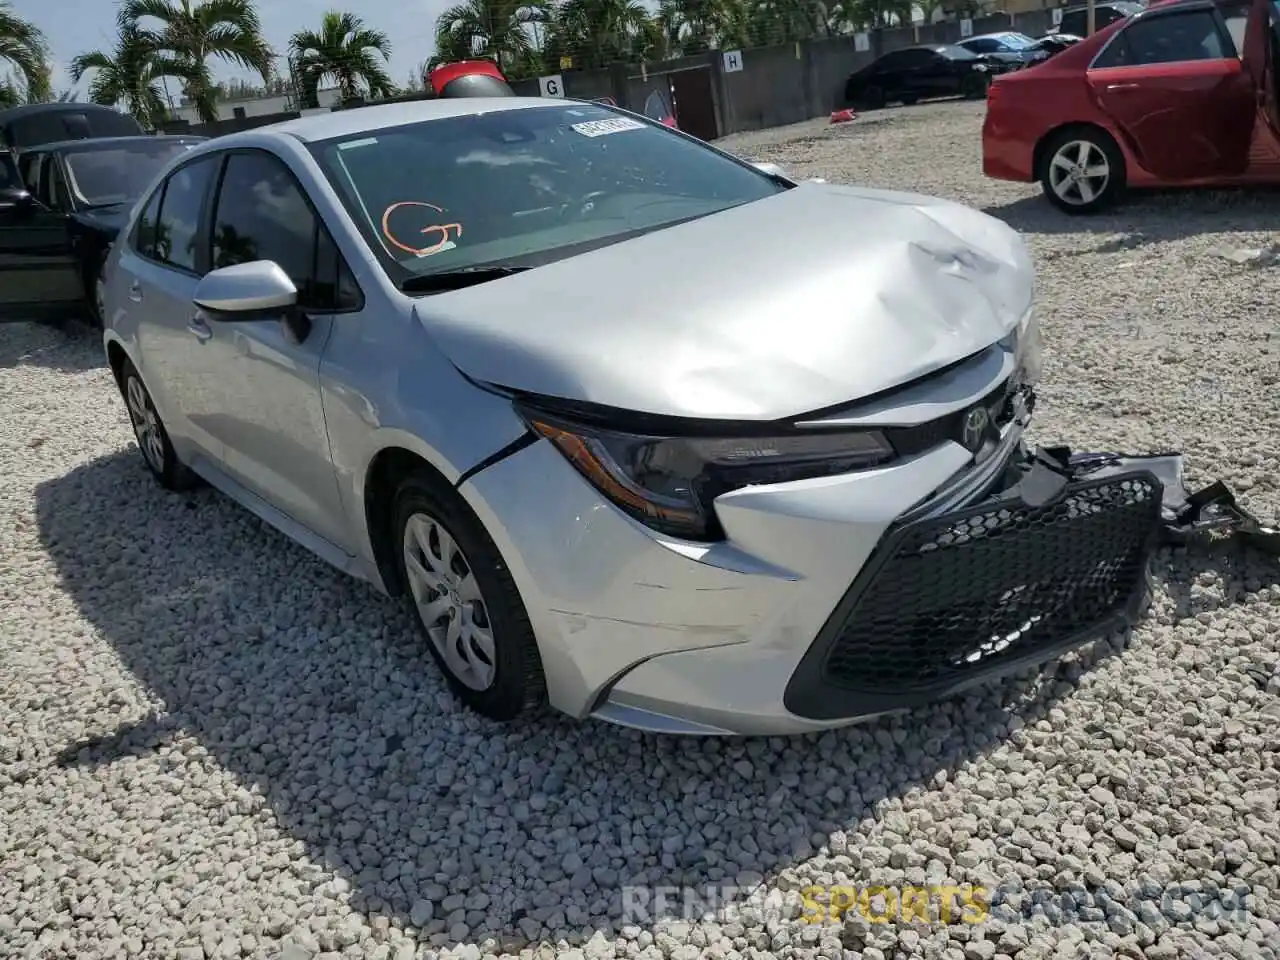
[[211, 745]]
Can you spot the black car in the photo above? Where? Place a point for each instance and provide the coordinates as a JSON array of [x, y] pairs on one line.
[[916, 73], [61, 206], [1014, 48], [33, 124], [1075, 19]]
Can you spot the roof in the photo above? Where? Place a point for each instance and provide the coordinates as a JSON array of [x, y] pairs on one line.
[[28, 109], [344, 123], [112, 141]]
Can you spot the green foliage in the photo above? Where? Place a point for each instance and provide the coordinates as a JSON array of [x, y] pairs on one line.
[[345, 52]]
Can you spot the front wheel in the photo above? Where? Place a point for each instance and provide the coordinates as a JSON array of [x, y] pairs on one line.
[[1082, 171], [465, 602]]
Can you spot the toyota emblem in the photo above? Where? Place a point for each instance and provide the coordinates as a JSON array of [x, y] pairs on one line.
[[974, 431]]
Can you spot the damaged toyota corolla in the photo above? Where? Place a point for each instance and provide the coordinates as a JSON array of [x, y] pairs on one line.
[[633, 426]]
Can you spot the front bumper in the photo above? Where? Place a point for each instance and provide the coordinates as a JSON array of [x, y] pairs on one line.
[[831, 600], [954, 599], [951, 597]]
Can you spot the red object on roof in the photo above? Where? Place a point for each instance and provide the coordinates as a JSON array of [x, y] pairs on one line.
[[439, 79]]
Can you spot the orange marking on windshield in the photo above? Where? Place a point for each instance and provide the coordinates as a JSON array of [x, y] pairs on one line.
[[443, 229]]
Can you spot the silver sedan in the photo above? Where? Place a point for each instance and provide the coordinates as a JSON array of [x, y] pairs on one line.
[[635, 427]]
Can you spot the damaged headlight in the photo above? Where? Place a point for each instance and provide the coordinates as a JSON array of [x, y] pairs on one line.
[[669, 483], [1027, 347]]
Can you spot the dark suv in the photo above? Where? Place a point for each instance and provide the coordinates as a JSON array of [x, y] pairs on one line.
[[61, 206], [1075, 20]]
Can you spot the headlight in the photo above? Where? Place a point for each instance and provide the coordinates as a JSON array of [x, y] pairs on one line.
[[670, 483]]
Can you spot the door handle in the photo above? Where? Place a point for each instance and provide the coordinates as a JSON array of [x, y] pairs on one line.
[[199, 329], [1117, 87], [135, 292]]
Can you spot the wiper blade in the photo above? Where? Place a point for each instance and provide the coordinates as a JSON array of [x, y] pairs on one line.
[[457, 279]]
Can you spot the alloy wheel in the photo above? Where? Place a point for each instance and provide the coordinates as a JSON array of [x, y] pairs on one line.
[[1079, 172], [146, 423], [449, 601]]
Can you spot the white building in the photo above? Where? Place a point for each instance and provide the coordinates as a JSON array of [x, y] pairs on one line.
[[256, 106]]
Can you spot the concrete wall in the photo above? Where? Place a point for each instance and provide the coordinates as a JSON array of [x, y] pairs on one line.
[[776, 85]]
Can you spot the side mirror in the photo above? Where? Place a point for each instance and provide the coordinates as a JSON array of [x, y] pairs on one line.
[[17, 199], [258, 290]]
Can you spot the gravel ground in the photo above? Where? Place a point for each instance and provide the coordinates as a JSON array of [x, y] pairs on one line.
[[211, 745]]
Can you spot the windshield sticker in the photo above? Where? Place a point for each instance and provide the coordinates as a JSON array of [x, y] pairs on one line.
[[352, 144], [602, 128], [444, 243]]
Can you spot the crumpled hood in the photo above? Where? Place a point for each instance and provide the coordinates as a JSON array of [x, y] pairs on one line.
[[814, 297]]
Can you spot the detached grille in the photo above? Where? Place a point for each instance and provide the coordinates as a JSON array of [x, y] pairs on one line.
[[946, 601]]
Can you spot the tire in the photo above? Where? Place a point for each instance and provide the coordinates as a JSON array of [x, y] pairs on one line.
[[1083, 148], [490, 660], [94, 292], [975, 86], [149, 431], [910, 100], [873, 98]]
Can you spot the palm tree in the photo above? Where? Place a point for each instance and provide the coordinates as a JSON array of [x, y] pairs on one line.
[[602, 31], [192, 32], [132, 74], [345, 50], [492, 28], [24, 46]]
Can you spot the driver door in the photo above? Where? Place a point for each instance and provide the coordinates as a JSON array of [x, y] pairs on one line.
[[1174, 82], [38, 275]]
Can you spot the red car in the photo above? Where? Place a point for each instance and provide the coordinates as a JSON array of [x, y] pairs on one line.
[[1183, 94]]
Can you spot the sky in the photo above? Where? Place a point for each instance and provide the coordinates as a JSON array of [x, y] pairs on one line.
[[77, 26]]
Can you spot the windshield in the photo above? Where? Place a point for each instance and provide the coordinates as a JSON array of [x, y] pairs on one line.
[[957, 52], [118, 173], [525, 186], [1017, 41]]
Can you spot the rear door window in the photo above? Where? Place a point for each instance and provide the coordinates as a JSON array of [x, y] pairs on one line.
[[1167, 38]]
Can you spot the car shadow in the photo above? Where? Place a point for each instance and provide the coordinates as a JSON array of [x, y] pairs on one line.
[[1152, 215], [329, 712], [67, 347]]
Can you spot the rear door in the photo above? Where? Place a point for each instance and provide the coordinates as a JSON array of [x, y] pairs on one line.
[[1174, 83], [38, 275], [151, 301]]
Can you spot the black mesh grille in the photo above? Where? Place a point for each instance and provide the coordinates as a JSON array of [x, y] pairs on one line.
[[968, 592]]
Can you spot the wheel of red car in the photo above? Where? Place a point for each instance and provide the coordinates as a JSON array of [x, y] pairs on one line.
[[1082, 170]]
